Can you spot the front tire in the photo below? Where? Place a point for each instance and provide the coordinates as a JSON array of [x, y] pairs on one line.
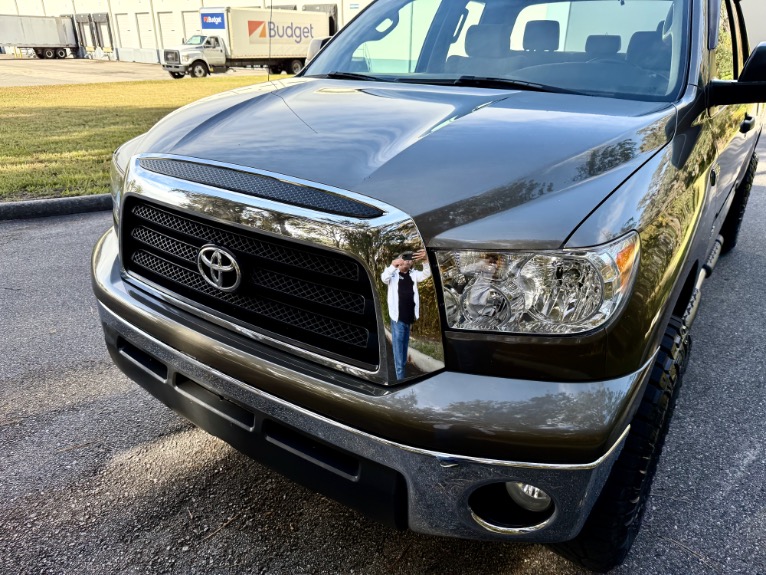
[[177, 75], [198, 70], [733, 221], [614, 522]]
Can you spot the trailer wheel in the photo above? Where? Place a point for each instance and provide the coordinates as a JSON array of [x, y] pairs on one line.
[[49, 53], [296, 66], [61, 53], [198, 69], [276, 69]]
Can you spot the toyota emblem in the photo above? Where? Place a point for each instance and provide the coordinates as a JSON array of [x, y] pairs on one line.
[[219, 268]]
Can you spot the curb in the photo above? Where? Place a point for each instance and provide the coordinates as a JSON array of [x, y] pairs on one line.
[[54, 207]]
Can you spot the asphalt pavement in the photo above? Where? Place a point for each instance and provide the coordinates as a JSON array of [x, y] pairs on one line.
[[98, 477], [36, 72]]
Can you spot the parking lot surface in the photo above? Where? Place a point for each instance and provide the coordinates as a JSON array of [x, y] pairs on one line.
[[36, 72]]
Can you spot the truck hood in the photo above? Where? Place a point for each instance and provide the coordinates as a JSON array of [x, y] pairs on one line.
[[185, 48], [471, 166]]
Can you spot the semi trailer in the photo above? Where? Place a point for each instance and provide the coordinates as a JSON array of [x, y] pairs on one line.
[[49, 36]]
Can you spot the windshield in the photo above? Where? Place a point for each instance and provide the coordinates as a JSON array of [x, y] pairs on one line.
[[621, 48], [196, 40]]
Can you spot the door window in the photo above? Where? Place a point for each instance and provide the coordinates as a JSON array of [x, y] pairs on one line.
[[724, 67]]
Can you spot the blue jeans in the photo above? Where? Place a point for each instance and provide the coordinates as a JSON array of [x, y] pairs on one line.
[[400, 340]]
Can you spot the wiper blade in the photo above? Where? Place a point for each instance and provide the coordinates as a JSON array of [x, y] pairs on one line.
[[489, 82], [337, 75]]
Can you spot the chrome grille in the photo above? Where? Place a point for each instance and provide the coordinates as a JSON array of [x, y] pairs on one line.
[[307, 296], [172, 57]]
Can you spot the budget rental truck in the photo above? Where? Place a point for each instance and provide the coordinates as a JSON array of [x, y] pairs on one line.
[[448, 273], [231, 37]]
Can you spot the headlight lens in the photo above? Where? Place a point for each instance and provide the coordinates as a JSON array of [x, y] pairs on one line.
[[184, 57], [118, 180], [546, 293]]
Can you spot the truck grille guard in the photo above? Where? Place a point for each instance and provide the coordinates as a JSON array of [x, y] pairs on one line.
[[274, 258]]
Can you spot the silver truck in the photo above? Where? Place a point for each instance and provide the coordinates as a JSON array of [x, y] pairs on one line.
[[49, 36], [232, 37]]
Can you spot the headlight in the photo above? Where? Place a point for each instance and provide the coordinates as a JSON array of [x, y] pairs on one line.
[[185, 57], [545, 293], [118, 180]]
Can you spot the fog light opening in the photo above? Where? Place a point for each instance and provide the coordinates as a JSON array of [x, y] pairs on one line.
[[511, 507], [528, 496]]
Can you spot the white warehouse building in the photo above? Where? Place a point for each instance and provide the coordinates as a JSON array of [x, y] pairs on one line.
[[138, 30]]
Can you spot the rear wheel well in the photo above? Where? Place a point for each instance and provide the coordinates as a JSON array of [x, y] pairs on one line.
[[686, 292]]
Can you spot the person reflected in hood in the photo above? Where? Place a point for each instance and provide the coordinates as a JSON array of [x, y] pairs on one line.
[[404, 302]]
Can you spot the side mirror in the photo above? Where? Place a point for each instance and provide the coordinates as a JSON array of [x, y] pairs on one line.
[[749, 89], [315, 46]]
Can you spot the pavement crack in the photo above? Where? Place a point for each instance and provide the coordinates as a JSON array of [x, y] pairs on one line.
[[705, 560]]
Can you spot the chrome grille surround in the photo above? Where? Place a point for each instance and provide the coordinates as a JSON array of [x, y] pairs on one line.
[[262, 187], [216, 209]]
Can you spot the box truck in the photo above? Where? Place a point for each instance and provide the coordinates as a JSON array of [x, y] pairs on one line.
[[48, 36], [230, 37]]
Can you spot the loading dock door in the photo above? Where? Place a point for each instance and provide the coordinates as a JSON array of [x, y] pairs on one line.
[[191, 24], [171, 33], [146, 30], [85, 32], [103, 32], [126, 31]]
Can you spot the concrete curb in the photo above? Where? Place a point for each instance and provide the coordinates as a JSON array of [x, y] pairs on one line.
[[54, 207]]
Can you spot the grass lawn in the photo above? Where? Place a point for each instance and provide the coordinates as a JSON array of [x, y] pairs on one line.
[[58, 140]]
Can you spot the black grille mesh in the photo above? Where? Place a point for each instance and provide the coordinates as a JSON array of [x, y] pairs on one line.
[[172, 57], [254, 247], [260, 186], [310, 291], [274, 310], [305, 294]]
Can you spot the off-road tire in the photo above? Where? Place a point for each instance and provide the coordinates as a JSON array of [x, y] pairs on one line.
[[733, 221], [613, 523], [198, 70]]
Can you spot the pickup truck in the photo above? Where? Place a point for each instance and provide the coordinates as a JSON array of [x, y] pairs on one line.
[[447, 274]]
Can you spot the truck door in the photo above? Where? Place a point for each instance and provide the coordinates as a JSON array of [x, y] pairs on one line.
[[733, 126], [214, 53]]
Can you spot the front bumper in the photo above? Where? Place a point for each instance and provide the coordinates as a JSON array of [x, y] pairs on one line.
[[179, 68], [329, 439]]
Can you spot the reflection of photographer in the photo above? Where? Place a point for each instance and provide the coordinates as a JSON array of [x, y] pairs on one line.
[[403, 302], [484, 272]]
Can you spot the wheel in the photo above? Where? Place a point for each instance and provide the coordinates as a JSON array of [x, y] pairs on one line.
[[733, 221], [177, 75], [61, 53], [49, 53], [296, 66], [276, 69], [198, 70], [613, 523]]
